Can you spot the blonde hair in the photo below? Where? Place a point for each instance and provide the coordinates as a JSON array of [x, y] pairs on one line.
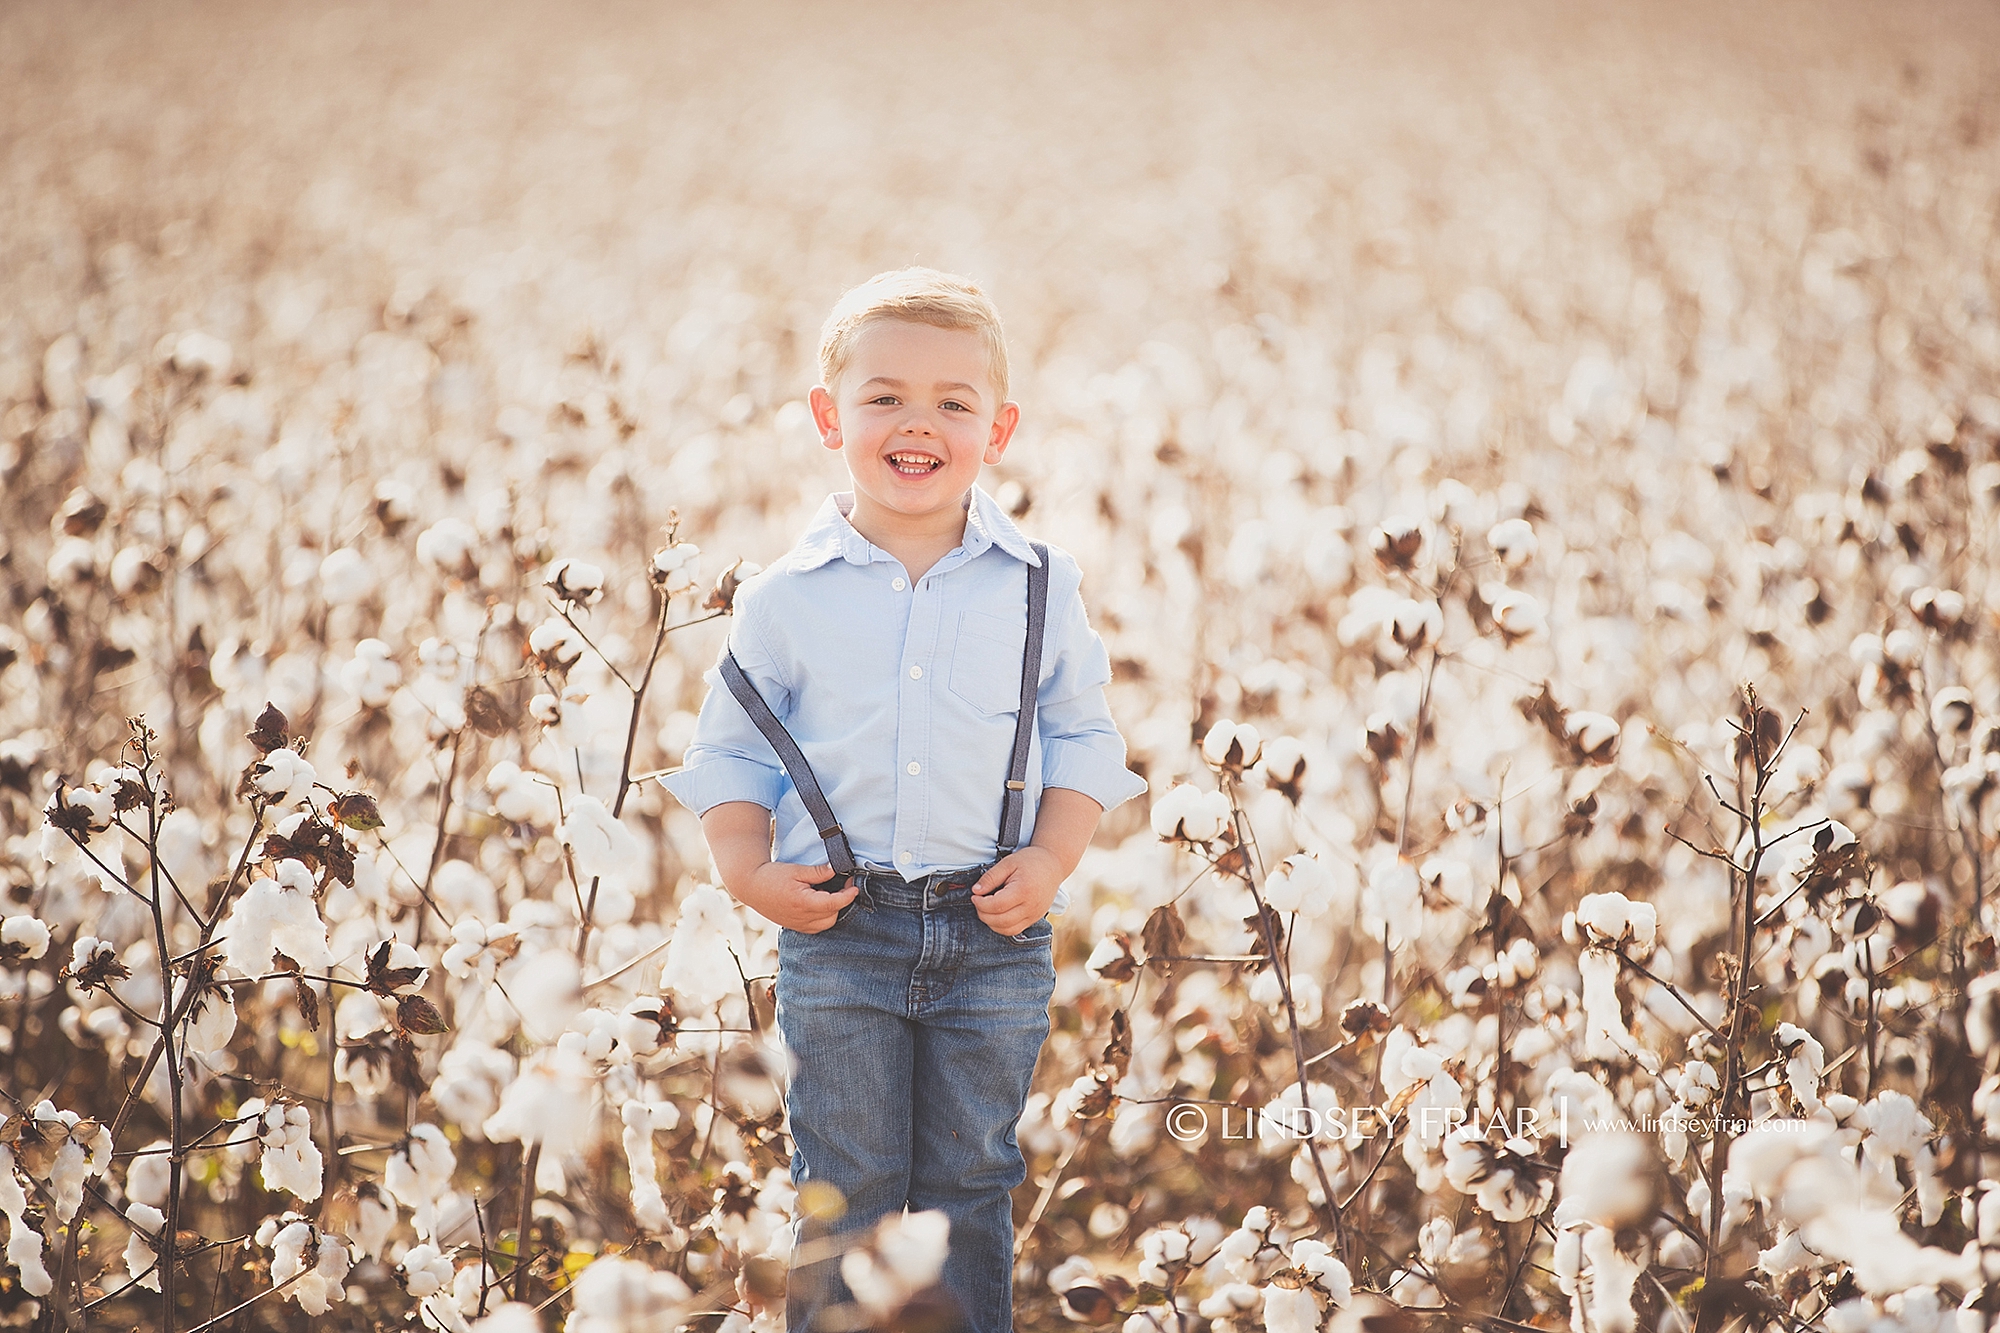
[[922, 296]]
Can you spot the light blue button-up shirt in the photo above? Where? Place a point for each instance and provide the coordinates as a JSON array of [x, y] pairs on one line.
[[903, 696]]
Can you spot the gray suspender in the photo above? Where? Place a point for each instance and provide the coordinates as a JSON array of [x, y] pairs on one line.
[[838, 854]]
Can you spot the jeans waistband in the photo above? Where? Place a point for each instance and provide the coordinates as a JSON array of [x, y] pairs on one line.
[[886, 888]]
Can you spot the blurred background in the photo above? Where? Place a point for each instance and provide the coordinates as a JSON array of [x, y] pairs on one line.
[[325, 329]]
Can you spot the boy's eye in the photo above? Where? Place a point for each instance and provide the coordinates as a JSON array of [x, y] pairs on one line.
[[960, 406], [885, 398]]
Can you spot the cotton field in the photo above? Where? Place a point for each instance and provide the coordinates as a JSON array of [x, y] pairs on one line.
[[1537, 473]]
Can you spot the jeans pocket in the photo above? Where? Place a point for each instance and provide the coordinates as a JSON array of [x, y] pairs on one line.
[[1040, 933]]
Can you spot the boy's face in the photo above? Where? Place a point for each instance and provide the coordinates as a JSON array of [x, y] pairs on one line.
[[915, 415]]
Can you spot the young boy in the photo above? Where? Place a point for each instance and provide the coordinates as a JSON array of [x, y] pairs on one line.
[[893, 647]]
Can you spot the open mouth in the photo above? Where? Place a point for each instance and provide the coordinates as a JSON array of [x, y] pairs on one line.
[[915, 465]]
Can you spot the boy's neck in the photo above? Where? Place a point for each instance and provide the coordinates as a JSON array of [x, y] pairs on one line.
[[918, 541]]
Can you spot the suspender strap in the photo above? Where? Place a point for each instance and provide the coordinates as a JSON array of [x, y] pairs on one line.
[[838, 854], [1024, 722]]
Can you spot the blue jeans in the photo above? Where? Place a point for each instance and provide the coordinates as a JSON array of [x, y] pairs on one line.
[[915, 1030]]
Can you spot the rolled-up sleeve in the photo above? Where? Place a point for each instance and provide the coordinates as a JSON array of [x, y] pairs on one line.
[[1081, 748], [729, 759]]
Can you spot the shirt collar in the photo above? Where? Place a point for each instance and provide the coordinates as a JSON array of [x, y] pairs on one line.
[[831, 537]]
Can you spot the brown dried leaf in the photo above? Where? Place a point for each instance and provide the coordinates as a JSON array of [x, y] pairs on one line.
[[1118, 1050], [485, 713], [1165, 934], [308, 1006]]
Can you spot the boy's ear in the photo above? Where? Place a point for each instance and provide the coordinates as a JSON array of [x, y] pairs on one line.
[[826, 416], [1004, 422]]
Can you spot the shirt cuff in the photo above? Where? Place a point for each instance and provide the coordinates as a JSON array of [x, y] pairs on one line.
[[717, 781], [1081, 768]]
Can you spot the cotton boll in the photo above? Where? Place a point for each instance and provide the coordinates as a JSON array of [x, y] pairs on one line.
[[575, 581], [23, 937], [141, 1261], [1290, 1310], [1805, 1060], [1301, 883], [285, 777], [463, 890], [1392, 901], [521, 796], [1609, 1178], [601, 844], [1185, 813], [1231, 747], [1513, 541], [372, 675], [345, 577], [448, 547], [277, 914], [618, 1295], [707, 943]]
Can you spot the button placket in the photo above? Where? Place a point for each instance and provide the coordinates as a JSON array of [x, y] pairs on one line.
[[913, 718]]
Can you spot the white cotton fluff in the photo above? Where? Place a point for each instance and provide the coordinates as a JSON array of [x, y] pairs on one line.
[[576, 581], [617, 1295], [556, 642], [147, 1178], [1290, 1310], [345, 577], [674, 566], [1607, 1036], [905, 1256], [372, 674], [1516, 615], [211, 1023], [546, 991], [26, 933], [447, 545], [140, 1257], [1161, 1250], [1392, 900], [1185, 813], [277, 914], [1316, 1259], [1291, 1117], [702, 956], [1594, 735], [426, 1270], [24, 1243], [285, 777], [601, 844], [1284, 760], [549, 1103], [1805, 1061], [418, 1174], [521, 796], [1613, 1275], [291, 1160], [1514, 541], [649, 1206], [1231, 746], [1607, 1179], [374, 1219], [1301, 883]]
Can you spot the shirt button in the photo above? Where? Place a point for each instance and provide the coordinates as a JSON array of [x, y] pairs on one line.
[[915, 768], [898, 584], [916, 673], [905, 857]]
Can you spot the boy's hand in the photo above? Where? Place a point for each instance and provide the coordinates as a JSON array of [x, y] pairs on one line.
[[785, 893], [1017, 891]]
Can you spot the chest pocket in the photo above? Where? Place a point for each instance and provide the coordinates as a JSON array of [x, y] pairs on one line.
[[986, 662]]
